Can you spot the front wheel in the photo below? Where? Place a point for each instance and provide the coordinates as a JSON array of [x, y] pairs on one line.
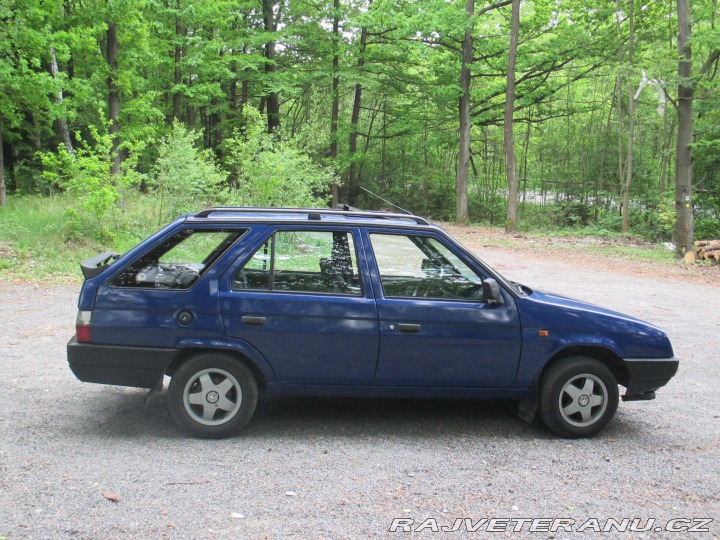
[[578, 397], [212, 396]]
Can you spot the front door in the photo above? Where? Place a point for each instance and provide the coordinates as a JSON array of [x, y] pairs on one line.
[[435, 328]]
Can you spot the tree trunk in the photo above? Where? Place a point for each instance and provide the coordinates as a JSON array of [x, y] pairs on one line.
[[3, 189], [354, 121], [511, 223], [631, 129], [113, 96], [461, 216], [177, 94], [62, 121], [683, 155], [272, 99], [335, 109]]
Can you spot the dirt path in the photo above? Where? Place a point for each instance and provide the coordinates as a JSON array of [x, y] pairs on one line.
[[583, 253]]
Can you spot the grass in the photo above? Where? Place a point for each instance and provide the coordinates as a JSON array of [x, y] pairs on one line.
[[588, 241], [31, 232], [42, 239], [658, 254], [616, 246]]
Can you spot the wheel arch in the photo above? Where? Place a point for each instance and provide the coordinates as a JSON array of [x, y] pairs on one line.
[[527, 408], [191, 352], [605, 356]]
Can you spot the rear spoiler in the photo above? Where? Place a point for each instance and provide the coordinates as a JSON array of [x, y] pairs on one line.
[[94, 266]]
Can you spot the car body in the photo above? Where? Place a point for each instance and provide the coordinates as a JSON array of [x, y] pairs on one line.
[[235, 303]]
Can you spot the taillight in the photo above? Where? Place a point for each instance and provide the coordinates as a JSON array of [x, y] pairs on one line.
[[83, 326]]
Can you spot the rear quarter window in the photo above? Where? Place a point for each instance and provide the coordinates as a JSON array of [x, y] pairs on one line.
[[179, 261]]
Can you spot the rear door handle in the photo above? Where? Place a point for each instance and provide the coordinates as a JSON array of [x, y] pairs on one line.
[[247, 319], [412, 328]]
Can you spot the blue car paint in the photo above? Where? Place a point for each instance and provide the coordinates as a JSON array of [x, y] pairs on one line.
[[572, 323], [147, 317], [458, 344], [233, 346], [323, 340], [343, 345]]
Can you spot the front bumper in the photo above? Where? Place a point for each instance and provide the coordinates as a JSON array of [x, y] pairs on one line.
[[141, 367], [645, 375]]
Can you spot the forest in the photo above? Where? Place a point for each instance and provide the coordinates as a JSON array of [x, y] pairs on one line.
[[517, 113]]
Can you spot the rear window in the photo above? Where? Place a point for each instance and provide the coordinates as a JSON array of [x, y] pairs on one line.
[[179, 261]]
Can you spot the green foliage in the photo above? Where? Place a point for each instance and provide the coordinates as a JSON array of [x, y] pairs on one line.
[[665, 217], [707, 229], [571, 213], [39, 240], [85, 173], [33, 233], [35, 243], [488, 207], [204, 64], [184, 177], [270, 170]]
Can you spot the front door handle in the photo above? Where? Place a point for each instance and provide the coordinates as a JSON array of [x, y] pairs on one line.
[[247, 319], [411, 328]]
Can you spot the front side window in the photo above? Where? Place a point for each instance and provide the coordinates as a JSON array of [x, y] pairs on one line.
[[179, 261], [303, 261], [421, 266]]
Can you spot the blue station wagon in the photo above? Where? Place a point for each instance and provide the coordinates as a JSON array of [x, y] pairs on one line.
[[236, 303]]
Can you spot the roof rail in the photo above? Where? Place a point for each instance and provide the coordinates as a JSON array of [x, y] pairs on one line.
[[313, 213]]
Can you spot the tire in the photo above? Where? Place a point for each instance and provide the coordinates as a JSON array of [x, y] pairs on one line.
[[578, 397], [212, 396]]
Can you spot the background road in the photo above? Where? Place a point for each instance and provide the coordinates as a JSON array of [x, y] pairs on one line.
[[341, 468]]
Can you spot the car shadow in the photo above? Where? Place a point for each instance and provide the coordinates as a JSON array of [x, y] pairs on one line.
[[135, 413], [132, 413], [385, 417]]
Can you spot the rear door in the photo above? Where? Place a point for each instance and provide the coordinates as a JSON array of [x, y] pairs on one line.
[[435, 328], [303, 299]]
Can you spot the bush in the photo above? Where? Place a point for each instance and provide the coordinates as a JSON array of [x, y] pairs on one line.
[[270, 170], [707, 229], [185, 176], [85, 174]]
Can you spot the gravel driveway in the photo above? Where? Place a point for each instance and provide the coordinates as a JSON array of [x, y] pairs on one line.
[[342, 468]]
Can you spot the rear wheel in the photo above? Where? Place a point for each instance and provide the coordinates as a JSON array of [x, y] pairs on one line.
[[578, 397], [212, 396]]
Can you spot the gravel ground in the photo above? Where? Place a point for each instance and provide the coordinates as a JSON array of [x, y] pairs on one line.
[[342, 468]]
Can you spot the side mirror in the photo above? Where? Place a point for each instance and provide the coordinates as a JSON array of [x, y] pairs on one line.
[[491, 292]]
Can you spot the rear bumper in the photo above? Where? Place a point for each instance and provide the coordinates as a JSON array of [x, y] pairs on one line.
[[141, 367], [645, 375]]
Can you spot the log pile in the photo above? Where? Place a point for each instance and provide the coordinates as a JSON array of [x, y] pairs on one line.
[[708, 249]]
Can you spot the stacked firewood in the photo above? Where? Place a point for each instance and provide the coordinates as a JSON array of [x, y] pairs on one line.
[[708, 249]]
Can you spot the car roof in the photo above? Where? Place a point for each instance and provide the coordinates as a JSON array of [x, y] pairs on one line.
[[307, 215]]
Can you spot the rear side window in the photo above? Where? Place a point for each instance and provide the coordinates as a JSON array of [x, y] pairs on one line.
[[179, 261], [303, 261]]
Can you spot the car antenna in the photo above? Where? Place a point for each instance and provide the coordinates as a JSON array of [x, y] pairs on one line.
[[385, 200]]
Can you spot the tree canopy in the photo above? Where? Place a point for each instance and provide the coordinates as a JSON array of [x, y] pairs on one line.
[[405, 98]]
